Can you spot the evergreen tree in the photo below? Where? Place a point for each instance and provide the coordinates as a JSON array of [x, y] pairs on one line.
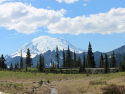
[[57, 57], [64, 61], [2, 64], [28, 59], [41, 65], [79, 61], [113, 61], [15, 66], [122, 65], [84, 62], [21, 61], [11, 66], [90, 57], [75, 61], [101, 63], [81, 68], [68, 59], [106, 66]]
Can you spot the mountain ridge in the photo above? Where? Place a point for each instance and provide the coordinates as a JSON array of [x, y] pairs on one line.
[[44, 43]]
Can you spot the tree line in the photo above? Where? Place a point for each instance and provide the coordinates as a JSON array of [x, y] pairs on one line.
[[68, 61]]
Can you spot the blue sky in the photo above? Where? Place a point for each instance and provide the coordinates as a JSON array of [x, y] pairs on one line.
[[102, 22]]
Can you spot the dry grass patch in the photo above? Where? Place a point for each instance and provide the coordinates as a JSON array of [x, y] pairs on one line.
[[114, 89], [97, 83]]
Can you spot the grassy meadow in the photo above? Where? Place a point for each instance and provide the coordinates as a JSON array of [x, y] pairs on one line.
[[17, 82]]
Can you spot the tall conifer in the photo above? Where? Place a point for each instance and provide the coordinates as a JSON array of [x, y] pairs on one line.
[[68, 59], [11, 66], [84, 62], [57, 57], [40, 65], [90, 57], [28, 59], [101, 63], [79, 61], [64, 61], [75, 62], [2, 64], [106, 66], [113, 61], [21, 61]]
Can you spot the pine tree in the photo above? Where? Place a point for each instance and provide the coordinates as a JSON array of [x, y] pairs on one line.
[[101, 63], [106, 66], [40, 65], [21, 61], [64, 61], [57, 57], [79, 61], [68, 59], [81, 68], [75, 61], [122, 65], [90, 57], [84, 62], [15, 66], [11, 66], [28, 58], [113, 61], [2, 64]]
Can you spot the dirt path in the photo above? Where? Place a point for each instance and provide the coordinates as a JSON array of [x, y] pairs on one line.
[[52, 88]]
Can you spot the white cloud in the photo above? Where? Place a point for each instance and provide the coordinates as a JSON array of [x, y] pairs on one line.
[[26, 18], [104, 23], [84, 4], [1, 1], [67, 1]]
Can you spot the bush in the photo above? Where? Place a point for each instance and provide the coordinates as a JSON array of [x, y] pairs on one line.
[[114, 89], [40, 83], [48, 81], [14, 86]]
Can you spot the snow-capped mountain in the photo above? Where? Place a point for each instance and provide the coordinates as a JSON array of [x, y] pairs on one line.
[[45, 43]]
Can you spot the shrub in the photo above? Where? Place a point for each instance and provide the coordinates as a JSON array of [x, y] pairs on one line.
[[48, 81], [114, 89], [40, 83], [14, 86]]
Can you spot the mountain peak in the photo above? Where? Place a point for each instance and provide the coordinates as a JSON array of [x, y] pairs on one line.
[[45, 43]]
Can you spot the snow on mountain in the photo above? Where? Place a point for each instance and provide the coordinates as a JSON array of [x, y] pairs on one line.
[[45, 43]]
